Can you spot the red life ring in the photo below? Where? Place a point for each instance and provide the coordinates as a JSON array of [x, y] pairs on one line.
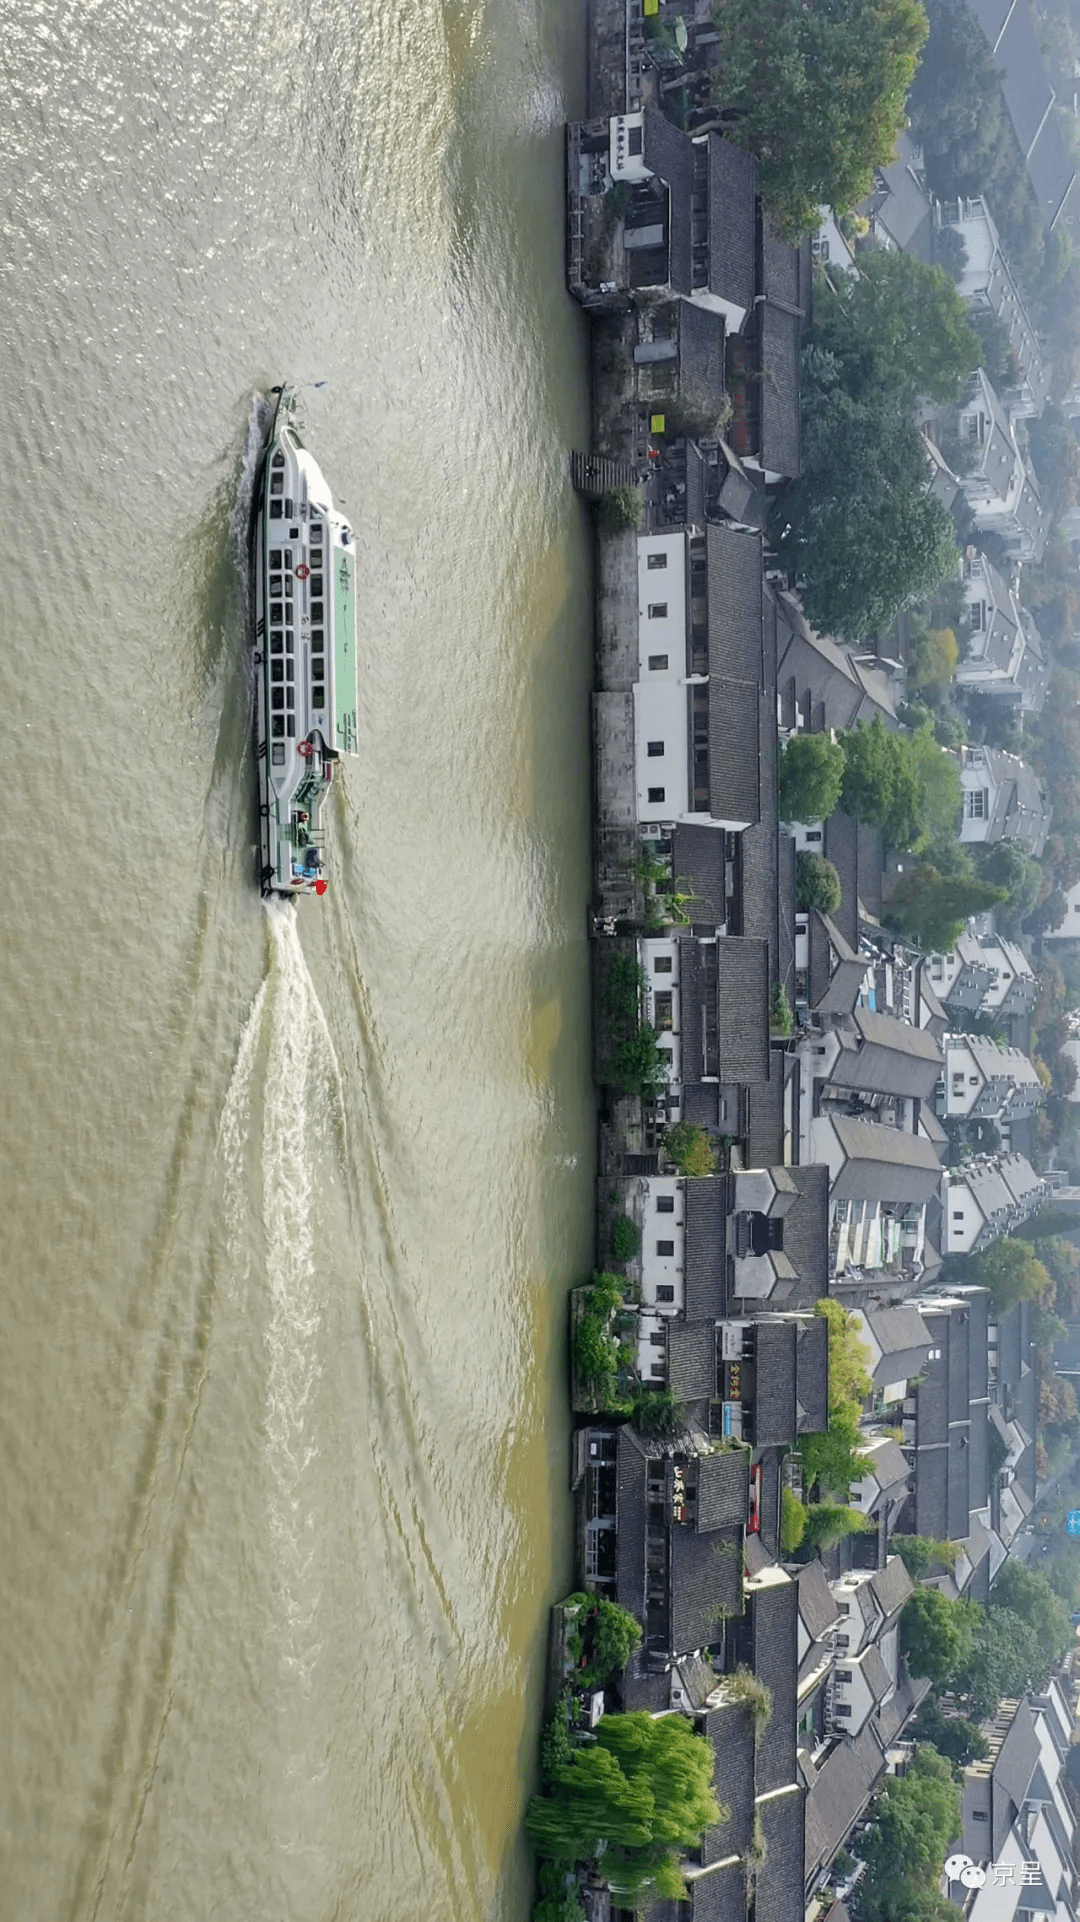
[[305, 748], [302, 571]]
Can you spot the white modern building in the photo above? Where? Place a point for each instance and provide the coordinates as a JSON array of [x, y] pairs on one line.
[[1005, 655], [986, 1197], [986, 1080], [1003, 800]]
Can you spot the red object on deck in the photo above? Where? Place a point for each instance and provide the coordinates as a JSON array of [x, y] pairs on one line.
[[320, 887]]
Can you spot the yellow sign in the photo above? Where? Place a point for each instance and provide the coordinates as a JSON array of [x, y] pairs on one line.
[[656, 422], [650, 7]]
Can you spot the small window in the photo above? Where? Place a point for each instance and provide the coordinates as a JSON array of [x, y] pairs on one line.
[[316, 610], [979, 1815], [275, 560], [278, 753], [275, 614], [275, 642], [657, 1338], [665, 1204], [317, 667], [275, 510], [656, 749], [318, 697], [290, 509], [844, 1607], [277, 697], [658, 1370], [286, 555], [316, 584], [290, 726], [658, 663], [958, 1214], [288, 587], [657, 560], [658, 610], [277, 483], [278, 460], [814, 834], [843, 1641], [277, 725], [665, 1292], [843, 1708], [665, 1249], [843, 1675], [277, 670], [662, 964], [656, 794], [290, 670], [294, 532], [634, 140]]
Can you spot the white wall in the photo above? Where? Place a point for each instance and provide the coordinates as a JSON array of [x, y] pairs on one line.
[[660, 1270], [661, 714], [1069, 928], [622, 165], [961, 1216], [657, 586]]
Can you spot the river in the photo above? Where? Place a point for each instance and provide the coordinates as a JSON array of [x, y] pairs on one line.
[[292, 1198]]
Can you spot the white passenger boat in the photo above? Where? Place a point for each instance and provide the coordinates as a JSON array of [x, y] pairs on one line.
[[305, 655]]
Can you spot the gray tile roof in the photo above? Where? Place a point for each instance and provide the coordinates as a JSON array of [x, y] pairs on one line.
[[887, 1056], [698, 856], [732, 221], [631, 1512], [717, 1895], [904, 1340], [806, 1233], [774, 1612], [669, 153], [876, 1673], [932, 1492], [730, 1729], [723, 1489], [841, 1790], [817, 1605], [735, 596], [812, 1375], [884, 1164], [778, 1895], [706, 1576], [691, 1360], [892, 1585], [781, 346], [743, 1009], [836, 971], [707, 1203], [701, 358], [774, 1384]]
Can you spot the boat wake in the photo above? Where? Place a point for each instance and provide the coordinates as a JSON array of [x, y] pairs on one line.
[[301, 1110]]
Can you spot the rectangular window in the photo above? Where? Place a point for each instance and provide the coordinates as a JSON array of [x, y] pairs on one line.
[[656, 794], [658, 610], [658, 663], [665, 1292], [290, 726], [634, 139], [288, 587], [979, 1815], [843, 1675], [275, 613], [277, 670], [277, 697], [289, 510], [278, 753], [657, 1338], [275, 510], [275, 642], [316, 585], [317, 667], [316, 610], [843, 1708], [657, 560], [958, 1214], [843, 1641], [316, 639], [318, 696], [665, 1204], [663, 1010], [662, 964], [277, 483], [277, 726], [658, 1370], [977, 804], [665, 1248], [656, 749]]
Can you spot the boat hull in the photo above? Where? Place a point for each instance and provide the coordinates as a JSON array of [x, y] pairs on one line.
[[304, 650]]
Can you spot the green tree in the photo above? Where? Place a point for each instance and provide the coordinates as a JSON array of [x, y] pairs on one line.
[[1004, 1660], [896, 327], [792, 1521], [1011, 1270], [998, 352], [620, 509], [817, 884], [690, 1150], [915, 1817], [858, 528], [1005, 864], [952, 1735], [675, 1766], [935, 657], [883, 783], [921, 1553], [811, 772], [835, 1458], [935, 1634], [828, 1523], [591, 1801], [939, 779], [931, 908], [1029, 1595], [817, 94], [849, 1356]]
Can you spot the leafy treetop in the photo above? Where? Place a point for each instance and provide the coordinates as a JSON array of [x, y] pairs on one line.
[[897, 327], [817, 93]]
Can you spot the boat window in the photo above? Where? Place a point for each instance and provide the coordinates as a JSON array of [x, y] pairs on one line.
[[286, 555], [275, 510], [290, 509], [279, 754], [316, 610], [316, 639], [316, 585], [316, 667], [278, 460], [316, 534], [277, 727], [290, 697], [290, 668], [275, 613], [277, 670], [288, 640], [290, 726], [294, 532], [317, 699], [275, 560], [277, 697], [275, 643], [288, 587], [277, 483]]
